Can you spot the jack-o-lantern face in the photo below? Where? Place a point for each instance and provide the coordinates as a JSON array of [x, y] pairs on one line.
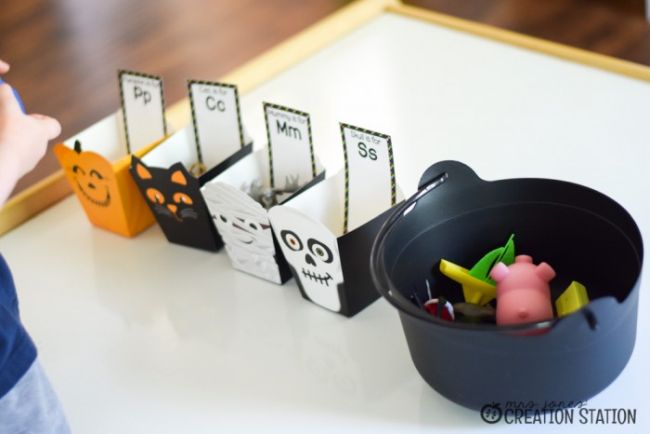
[[106, 190], [90, 175], [92, 185]]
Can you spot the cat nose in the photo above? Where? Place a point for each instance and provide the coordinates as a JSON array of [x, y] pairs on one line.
[[309, 260], [172, 208]]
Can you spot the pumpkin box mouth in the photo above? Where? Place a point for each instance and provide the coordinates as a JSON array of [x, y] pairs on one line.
[[95, 163]]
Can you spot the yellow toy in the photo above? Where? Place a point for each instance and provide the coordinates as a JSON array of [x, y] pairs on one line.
[[572, 299], [475, 290]]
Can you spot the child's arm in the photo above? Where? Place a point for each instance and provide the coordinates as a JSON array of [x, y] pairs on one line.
[[23, 138]]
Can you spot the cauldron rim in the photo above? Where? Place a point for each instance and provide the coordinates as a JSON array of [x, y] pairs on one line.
[[386, 288]]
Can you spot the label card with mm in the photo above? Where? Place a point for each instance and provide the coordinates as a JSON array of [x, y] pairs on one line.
[[291, 152], [369, 175], [217, 120], [143, 108]]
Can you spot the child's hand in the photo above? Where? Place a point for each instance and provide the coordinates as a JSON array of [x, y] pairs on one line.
[[23, 138]]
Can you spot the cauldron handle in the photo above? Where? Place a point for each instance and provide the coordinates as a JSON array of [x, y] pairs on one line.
[[459, 174]]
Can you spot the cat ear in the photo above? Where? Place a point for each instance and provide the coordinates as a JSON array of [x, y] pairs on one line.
[[178, 177], [143, 172]]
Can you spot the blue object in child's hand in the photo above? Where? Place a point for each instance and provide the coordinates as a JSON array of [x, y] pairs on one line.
[[20, 101]]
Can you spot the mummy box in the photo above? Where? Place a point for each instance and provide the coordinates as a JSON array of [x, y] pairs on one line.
[[326, 233], [170, 176], [96, 161], [238, 198]]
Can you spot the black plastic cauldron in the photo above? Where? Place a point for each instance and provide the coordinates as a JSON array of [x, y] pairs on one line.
[[583, 234]]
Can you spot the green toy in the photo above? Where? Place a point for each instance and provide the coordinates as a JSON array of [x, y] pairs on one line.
[[505, 254], [478, 288]]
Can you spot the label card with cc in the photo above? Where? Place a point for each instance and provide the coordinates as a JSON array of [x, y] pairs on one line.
[[369, 175], [216, 119], [291, 152], [143, 109]]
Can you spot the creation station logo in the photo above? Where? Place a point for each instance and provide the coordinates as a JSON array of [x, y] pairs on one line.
[[555, 413]]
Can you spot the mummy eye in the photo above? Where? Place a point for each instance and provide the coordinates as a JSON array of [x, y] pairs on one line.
[[320, 250], [291, 240]]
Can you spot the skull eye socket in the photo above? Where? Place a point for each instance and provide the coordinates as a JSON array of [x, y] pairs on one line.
[[291, 240], [320, 250]]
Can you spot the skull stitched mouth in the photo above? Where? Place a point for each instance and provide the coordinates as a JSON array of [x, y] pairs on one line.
[[320, 278], [102, 203]]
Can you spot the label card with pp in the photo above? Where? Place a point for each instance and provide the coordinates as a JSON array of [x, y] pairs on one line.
[[143, 109], [370, 175], [291, 152], [216, 119]]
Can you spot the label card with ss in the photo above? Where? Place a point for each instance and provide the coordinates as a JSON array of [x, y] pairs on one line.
[[369, 175]]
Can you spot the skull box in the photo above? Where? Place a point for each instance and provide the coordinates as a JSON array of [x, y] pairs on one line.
[[330, 266]]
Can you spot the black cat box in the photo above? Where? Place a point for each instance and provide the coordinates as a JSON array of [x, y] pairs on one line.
[[583, 234], [173, 193], [235, 199], [330, 266]]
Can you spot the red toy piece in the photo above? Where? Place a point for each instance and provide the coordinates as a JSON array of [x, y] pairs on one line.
[[523, 293], [441, 308]]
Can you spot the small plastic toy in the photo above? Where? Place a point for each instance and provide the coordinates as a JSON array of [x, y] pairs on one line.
[[17, 95], [505, 254], [473, 313], [478, 288], [522, 291], [573, 298], [438, 307], [475, 290]]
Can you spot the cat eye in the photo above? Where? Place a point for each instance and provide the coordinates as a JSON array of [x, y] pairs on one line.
[[320, 250], [291, 240], [155, 196], [182, 198]]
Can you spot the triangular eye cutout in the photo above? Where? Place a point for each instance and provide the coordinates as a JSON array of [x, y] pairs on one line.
[[178, 177], [77, 146], [143, 172]]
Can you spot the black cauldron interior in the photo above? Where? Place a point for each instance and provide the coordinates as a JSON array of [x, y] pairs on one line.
[[581, 233]]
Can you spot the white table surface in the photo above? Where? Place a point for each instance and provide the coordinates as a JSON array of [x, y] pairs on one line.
[[141, 336]]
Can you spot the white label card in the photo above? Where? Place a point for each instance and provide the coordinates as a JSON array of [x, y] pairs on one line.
[[291, 153], [370, 175], [217, 120], [143, 108]]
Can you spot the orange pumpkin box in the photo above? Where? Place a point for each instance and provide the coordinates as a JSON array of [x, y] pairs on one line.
[[96, 165]]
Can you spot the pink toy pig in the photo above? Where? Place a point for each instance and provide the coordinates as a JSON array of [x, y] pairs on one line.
[[523, 293]]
